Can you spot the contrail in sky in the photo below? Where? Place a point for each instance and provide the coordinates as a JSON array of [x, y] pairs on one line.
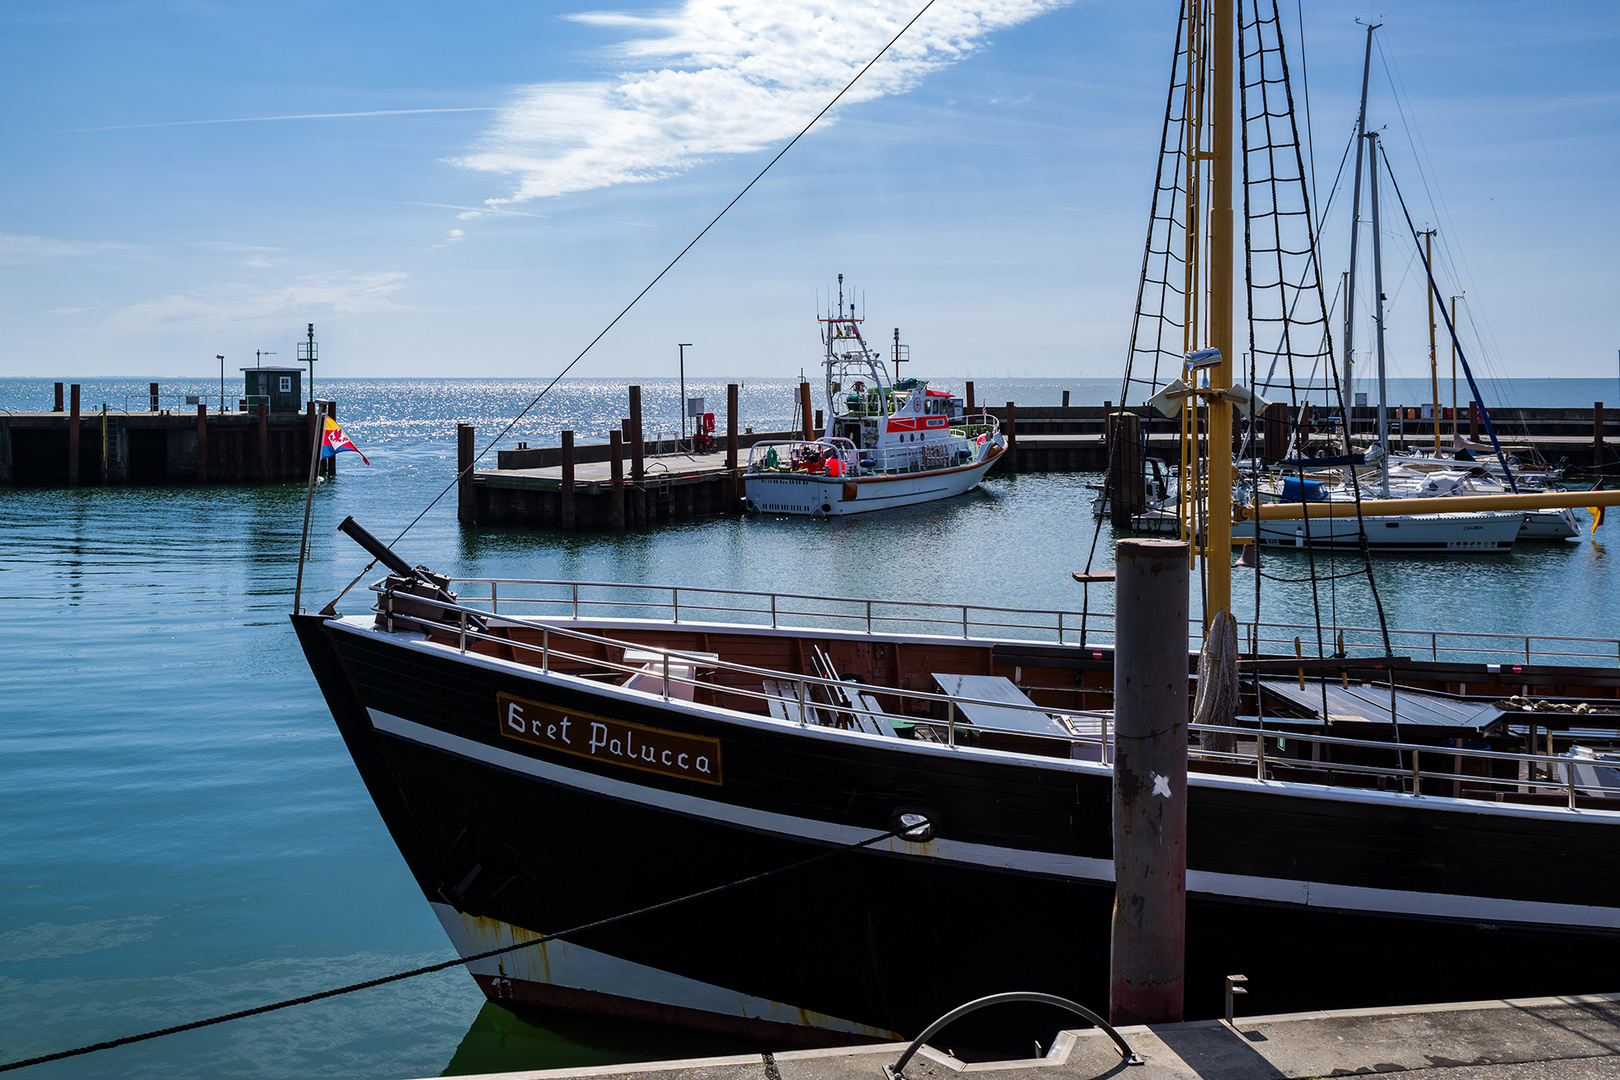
[[298, 116]]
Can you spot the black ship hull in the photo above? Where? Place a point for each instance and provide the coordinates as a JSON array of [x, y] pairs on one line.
[[1323, 897]]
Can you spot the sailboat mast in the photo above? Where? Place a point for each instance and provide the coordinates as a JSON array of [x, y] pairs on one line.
[[1219, 554], [1434, 359], [1355, 235], [1378, 319]]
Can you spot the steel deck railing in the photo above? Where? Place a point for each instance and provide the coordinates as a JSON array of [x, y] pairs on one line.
[[1407, 770], [601, 599]]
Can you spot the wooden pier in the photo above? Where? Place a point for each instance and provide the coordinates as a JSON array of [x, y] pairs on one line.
[[630, 482], [71, 446]]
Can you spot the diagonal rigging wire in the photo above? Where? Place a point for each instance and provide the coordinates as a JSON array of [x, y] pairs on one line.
[[656, 279], [457, 962]]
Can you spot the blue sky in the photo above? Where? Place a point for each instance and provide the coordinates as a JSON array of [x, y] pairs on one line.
[[518, 172]]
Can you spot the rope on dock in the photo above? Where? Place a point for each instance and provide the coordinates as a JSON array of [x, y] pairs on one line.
[[458, 961]]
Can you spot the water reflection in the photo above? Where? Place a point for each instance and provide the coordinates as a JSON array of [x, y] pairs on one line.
[[499, 1041]]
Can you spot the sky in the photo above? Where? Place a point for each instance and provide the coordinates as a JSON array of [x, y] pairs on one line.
[[478, 189]]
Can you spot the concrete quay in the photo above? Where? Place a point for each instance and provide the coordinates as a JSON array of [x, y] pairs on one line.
[[1550, 1038]]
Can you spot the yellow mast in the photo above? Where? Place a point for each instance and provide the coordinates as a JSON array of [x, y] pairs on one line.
[[1218, 559]]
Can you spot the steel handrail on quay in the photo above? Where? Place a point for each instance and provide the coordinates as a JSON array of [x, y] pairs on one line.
[[1066, 627], [467, 626]]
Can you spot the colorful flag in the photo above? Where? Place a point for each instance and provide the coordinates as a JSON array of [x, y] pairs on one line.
[[333, 440]]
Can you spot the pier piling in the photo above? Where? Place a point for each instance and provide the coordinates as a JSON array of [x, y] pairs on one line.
[[152, 388], [971, 408], [73, 436], [58, 406], [466, 501], [638, 469], [567, 501], [616, 475], [1011, 456], [1125, 488], [805, 414], [1597, 434], [264, 438], [1148, 944], [202, 443]]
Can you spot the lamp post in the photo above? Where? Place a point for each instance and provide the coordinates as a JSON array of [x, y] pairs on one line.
[[683, 346], [221, 358]]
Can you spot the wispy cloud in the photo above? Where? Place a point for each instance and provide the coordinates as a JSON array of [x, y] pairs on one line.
[[266, 119], [16, 249], [336, 294], [727, 77]]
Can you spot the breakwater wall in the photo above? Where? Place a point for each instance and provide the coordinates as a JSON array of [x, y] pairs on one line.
[[69, 446]]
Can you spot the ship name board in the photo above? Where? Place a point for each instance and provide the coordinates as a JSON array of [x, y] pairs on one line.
[[617, 742]]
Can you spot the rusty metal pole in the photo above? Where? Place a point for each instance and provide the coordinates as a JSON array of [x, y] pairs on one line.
[[202, 443], [616, 474], [1597, 434], [567, 490], [970, 406], [58, 406], [73, 434], [1148, 948], [805, 415], [466, 500]]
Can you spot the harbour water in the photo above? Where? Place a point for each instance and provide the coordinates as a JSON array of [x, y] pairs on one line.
[[183, 833]]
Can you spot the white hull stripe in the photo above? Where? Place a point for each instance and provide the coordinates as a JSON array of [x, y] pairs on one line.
[[1201, 882], [562, 963]]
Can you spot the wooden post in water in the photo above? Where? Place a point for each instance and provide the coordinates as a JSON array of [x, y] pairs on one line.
[[1126, 491], [616, 474], [1597, 434], [202, 443], [1148, 947], [1065, 399], [264, 439], [1011, 420], [971, 408], [1473, 421], [567, 504], [638, 471], [806, 417], [1274, 423], [73, 434], [732, 488], [58, 406], [153, 389], [466, 499]]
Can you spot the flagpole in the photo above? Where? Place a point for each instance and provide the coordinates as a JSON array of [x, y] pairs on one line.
[[317, 421]]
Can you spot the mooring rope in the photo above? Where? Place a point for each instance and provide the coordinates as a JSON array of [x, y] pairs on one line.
[[444, 964]]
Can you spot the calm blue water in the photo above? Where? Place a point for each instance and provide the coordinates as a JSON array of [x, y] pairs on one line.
[[183, 832]]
